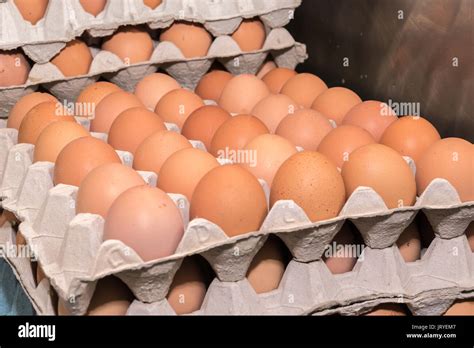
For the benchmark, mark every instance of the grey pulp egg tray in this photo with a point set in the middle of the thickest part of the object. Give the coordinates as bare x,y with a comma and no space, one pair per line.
70,249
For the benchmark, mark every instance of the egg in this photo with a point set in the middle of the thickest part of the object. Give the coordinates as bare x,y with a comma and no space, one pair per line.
461,307
387,309
147,220
339,143
311,181
155,150
340,260
74,59
232,198
270,151
276,78
373,116
32,12
92,95
274,108
268,266
181,172
242,93
111,297
409,243
250,35
210,86
152,3
151,88
203,123
38,118
335,103
54,138
81,156
110,107
94,7
133,126
25,104
176,106
304,88
131,44
470,235
234,134
384,170
451,159
305,128
102,185
410,136
191,38
189,287
14,68
265,68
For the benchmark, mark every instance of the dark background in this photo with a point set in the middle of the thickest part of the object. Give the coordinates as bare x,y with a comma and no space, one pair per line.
405,60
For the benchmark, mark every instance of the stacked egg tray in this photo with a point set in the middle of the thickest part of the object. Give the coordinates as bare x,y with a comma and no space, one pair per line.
73,256
279,45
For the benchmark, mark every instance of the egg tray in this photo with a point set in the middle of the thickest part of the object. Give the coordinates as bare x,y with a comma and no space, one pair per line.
66,20
72,254
279,44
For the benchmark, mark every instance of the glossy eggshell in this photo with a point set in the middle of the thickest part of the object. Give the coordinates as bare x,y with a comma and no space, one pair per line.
212,84
91,96
147,220
111,297
151,88
250,35
409,243
334,103
274,108
304,88
313,182
14,69
31,13
25,104
191,38
74,59
276,78
81,156
94,7
176,106
232,198
384,170
338,262
130,44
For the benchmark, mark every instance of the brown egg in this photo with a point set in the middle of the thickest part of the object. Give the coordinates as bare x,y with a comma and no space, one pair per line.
339,143
410,136
461,307
339,260
470,235
234,134
305,128
94,7
451,159
189,288
38,118
8,216
151,88
334,103
373,116
152,3
250,35
54,138
304,88
102,185
409,243
110,107
311,181
268,266
384,170
147,220
155,150
14,68
276,78
25,104
270,151
111,297
211,85
92,95
133,126
74,59
387,309
232,198
273,108
81,156
242,93
203,123
131,44
266,68
32,12
176,106
191,38
182,171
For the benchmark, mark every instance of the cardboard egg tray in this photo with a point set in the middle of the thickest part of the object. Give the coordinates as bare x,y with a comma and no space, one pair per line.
70,249
279,44
65,20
